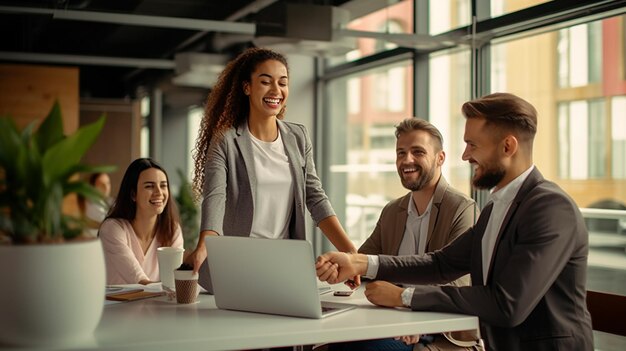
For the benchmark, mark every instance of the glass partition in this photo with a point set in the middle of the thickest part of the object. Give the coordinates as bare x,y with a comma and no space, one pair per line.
360,149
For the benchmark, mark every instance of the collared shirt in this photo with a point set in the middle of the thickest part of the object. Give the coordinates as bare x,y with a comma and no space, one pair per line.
504,197
502,200
415,230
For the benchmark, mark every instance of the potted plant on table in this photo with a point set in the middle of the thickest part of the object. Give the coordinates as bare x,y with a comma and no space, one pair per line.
53,283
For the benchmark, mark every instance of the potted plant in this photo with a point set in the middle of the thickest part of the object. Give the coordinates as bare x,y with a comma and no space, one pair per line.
53,283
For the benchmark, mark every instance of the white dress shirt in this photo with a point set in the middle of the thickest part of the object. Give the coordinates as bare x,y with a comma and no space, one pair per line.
502,200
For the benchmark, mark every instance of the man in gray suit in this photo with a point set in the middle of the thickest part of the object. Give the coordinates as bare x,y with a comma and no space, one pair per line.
527,254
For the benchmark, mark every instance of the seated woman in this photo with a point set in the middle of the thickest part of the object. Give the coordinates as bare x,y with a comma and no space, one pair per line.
143,218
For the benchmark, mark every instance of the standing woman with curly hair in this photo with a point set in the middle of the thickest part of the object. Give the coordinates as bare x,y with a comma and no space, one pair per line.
255,171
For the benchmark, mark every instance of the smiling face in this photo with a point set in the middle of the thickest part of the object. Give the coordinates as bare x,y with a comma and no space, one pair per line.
418,160
483,152
152,192
268,89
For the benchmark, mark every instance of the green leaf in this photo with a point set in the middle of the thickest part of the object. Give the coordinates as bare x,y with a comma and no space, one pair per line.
58,161
83,168
38,168
51,211
9,139
86,190
51,129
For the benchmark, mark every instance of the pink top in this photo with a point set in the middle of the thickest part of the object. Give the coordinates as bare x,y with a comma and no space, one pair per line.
124,258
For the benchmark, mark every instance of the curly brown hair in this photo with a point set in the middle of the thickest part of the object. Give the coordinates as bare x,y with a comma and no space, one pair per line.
227,106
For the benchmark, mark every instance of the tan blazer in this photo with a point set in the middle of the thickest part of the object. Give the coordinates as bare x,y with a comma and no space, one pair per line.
452,213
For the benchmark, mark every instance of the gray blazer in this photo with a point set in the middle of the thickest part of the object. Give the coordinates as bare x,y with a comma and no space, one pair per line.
534,298
230,182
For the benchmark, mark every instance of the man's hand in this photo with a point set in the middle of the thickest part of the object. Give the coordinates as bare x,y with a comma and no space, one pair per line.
384,294
336,267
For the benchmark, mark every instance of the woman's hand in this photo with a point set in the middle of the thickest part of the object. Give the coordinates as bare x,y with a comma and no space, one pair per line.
331,227
197,257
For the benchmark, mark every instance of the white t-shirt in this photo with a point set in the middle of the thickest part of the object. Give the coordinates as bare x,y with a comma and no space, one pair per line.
273,203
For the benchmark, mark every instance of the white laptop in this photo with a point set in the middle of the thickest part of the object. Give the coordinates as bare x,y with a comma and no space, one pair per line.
266,276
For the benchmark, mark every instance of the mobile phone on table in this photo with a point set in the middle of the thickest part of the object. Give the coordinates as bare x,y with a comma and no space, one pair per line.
342,293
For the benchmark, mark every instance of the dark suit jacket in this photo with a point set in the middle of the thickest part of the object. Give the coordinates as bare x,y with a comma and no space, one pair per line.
534,298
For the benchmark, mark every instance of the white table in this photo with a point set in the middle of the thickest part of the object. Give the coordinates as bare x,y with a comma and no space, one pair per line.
158,324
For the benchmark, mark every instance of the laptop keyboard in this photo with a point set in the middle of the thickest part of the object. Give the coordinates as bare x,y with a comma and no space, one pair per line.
328,309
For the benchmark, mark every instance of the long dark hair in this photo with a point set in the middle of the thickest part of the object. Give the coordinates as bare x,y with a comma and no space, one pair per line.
227,105
124,207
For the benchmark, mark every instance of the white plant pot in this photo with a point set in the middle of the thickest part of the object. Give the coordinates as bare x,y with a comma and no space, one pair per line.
51,294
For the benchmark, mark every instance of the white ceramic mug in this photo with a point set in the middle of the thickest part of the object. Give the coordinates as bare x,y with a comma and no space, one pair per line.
170,258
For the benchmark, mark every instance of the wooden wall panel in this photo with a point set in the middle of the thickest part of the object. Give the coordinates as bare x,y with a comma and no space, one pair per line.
118,143
27,93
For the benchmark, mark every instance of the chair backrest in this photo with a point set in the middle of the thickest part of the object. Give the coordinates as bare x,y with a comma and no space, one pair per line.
607,312
604,224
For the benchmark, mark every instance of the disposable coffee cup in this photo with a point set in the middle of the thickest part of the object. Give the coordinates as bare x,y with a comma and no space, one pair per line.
169,259
186,286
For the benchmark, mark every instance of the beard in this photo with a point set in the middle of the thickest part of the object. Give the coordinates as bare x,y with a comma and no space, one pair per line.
492,175
421,181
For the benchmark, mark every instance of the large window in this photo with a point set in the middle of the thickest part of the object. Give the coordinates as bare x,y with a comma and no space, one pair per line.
501,7
582,134
572,71
396,18
569,77
449,88
618,137
445,15
361,136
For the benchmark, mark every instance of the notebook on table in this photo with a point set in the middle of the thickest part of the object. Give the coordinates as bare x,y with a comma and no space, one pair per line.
266,276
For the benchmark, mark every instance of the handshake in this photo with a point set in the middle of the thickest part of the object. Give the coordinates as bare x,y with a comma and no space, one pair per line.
337,267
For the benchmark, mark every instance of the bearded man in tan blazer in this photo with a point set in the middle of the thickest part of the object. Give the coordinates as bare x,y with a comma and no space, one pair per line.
426,219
